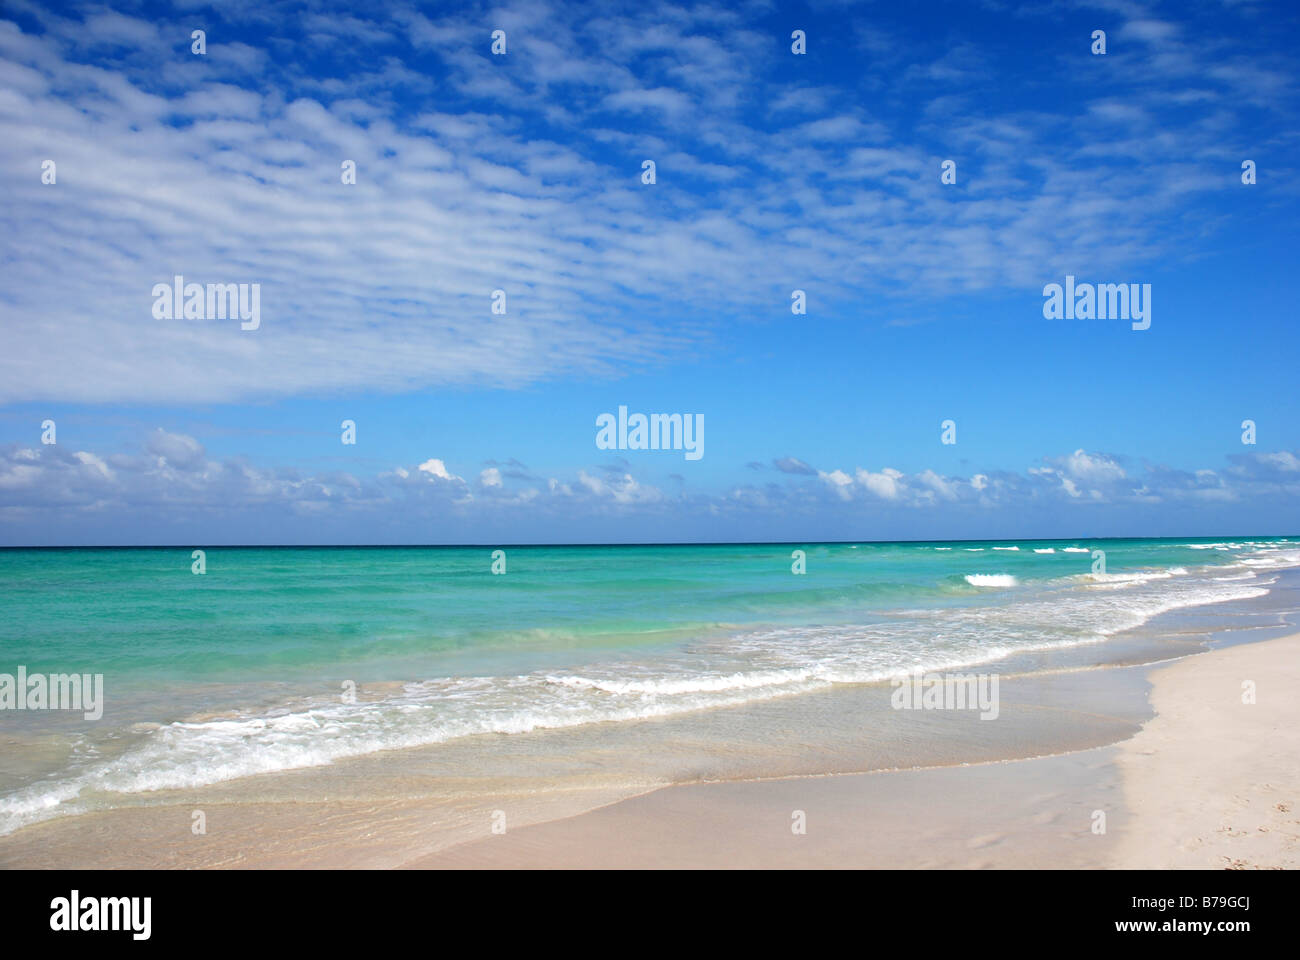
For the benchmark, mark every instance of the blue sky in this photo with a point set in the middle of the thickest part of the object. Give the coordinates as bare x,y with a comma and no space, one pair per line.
522,172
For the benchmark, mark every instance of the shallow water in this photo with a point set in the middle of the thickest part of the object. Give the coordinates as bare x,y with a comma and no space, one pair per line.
622,666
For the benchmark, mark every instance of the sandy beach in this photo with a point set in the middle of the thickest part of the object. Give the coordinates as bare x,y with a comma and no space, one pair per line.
1209,782
1213,781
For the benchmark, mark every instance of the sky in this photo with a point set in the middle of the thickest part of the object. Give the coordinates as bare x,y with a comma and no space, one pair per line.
524,172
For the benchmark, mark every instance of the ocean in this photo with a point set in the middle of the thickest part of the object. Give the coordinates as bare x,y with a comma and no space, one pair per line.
279,659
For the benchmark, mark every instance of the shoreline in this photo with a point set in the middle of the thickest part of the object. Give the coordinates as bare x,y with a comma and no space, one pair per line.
1017,793
1208,782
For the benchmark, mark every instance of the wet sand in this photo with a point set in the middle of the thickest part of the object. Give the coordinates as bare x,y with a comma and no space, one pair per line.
1209,782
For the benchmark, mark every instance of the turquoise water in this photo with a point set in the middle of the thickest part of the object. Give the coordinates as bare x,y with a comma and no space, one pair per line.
143,616
247,667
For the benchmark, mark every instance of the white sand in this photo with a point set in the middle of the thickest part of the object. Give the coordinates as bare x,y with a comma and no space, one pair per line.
1209,782
1213,781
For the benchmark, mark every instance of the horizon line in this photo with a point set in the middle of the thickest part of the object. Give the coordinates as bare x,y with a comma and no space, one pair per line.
649,543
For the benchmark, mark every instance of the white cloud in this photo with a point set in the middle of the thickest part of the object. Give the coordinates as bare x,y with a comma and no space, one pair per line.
225,169
1285,460
839,480
437,469
939,485
1093,468
175,449
622,489
48,485
883,484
